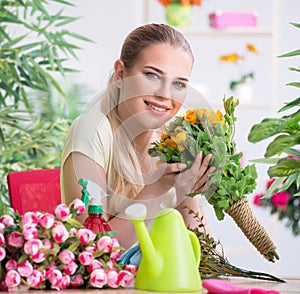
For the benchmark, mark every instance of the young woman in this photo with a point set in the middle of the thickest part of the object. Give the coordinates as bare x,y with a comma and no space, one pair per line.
108,143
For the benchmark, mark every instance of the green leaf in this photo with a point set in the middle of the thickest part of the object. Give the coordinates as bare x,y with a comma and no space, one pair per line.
290,54
268,127
280,143
294,84
284,167
65,2
75,223
297,25
295,102
274,186
269,160
294,69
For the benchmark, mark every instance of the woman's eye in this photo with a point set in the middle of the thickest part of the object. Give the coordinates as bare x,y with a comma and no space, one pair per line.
152,75
180,85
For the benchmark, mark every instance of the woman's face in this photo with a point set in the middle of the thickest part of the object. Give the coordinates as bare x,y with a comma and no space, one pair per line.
153,91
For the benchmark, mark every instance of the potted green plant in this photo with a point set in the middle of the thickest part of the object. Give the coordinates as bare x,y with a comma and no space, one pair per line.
282,153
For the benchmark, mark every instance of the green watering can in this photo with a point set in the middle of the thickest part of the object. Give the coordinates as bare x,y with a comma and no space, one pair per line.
170,253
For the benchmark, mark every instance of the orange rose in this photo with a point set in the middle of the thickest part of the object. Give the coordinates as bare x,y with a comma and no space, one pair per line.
190,116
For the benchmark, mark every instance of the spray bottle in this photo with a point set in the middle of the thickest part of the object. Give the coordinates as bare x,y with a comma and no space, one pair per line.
93,193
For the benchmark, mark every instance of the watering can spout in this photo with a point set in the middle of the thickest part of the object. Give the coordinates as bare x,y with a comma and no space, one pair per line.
136,213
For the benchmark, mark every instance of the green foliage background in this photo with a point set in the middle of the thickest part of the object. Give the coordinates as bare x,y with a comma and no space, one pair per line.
35,110
283,152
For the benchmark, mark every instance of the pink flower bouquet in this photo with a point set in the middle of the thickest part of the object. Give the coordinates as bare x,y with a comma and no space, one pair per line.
54,251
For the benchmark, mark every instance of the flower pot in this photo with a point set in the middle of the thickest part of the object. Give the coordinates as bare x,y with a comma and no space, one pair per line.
178,15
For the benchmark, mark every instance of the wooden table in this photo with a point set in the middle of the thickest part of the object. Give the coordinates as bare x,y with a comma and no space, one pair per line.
292,285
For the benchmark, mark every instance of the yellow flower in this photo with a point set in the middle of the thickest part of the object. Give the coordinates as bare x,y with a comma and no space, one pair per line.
208,114
220,116
179,137
252,48
164,135
190,116
170,143
160,146
233,58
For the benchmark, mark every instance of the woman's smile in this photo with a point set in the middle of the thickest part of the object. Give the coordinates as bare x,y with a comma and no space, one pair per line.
156,107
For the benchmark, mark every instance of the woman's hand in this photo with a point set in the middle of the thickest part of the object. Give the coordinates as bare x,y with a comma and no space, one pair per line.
196,178
164,177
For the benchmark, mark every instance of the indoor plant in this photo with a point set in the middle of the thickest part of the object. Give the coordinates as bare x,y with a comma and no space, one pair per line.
282,153
179,12
34,46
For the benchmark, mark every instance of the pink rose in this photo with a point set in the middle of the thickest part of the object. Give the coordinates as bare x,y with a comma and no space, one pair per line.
70,268
64,282
66,256
131,268
110,264
105,243
76,280
257,199
98,278
62,212
12,279
35,279
85,257
11,264
2,239
85,236
47,244
115,252
281,200
25,269
112,279
47,220
95,264
2,253
60,233
31,247
30,219
7,220
78,205
39,257
55,277
92,248
16,239
125,278
30,232
73,232
2,226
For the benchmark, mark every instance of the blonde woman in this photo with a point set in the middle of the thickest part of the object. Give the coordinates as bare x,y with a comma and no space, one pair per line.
108,143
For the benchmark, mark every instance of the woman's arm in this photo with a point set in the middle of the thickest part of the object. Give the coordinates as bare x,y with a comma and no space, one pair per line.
79,166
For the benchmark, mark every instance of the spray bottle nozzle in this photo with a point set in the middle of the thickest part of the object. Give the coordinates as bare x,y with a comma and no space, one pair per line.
94,193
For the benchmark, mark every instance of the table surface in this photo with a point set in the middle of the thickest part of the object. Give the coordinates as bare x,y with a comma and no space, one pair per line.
292,285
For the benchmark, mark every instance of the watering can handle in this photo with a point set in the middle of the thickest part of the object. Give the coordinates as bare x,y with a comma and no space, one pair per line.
196,246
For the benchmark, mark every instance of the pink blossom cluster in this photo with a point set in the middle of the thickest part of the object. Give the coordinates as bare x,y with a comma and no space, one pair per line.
44,250
278,199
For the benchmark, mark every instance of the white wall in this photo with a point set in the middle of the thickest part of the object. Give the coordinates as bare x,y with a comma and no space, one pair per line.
108,22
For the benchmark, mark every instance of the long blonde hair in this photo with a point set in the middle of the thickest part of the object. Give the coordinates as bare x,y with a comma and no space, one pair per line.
125,179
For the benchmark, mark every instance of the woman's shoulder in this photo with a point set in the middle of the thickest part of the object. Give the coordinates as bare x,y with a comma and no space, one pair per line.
92,121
